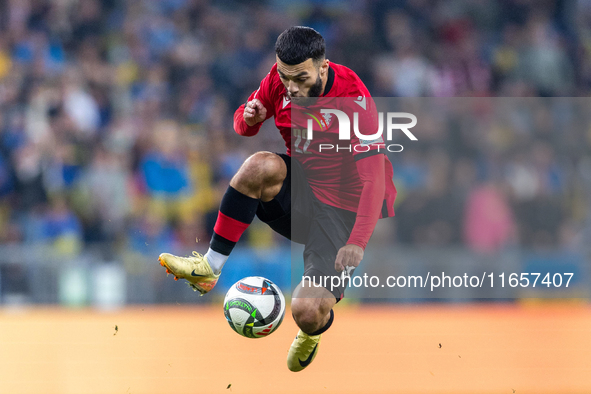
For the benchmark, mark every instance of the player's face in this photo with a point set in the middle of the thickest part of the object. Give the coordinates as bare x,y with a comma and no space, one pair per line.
304,79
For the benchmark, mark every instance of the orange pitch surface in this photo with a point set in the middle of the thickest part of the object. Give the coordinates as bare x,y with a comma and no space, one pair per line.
370,349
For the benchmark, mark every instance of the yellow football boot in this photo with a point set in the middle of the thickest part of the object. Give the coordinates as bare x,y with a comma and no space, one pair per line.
303,350
196,270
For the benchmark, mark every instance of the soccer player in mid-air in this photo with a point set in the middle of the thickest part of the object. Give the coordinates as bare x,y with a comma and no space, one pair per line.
336,206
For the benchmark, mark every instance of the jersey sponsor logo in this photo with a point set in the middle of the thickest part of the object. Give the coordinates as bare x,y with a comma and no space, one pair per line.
361,102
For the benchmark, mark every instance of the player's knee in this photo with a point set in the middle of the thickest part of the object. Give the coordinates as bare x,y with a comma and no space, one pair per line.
261,170
265,167
308,322
306,315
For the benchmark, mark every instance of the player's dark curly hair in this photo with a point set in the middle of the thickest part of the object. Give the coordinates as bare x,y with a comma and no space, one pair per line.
298,44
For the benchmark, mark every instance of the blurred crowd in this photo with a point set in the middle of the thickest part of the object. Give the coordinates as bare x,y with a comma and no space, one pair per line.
497,173
116,115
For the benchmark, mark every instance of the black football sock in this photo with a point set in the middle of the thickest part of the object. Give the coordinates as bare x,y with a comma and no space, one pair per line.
235,215
326,326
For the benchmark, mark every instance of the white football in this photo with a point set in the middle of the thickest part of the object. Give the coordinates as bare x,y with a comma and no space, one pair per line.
254,307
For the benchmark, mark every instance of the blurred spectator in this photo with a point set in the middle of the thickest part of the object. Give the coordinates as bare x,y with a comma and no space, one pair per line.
164,167
104,188
489,224
150,234
63,228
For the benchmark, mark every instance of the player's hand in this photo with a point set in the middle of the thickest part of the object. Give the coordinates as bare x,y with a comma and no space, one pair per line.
348,256
254,112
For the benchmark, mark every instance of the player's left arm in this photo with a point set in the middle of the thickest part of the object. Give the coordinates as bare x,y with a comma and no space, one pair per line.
372,172
371,167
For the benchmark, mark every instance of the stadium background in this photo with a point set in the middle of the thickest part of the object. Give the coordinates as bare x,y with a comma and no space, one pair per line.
116,144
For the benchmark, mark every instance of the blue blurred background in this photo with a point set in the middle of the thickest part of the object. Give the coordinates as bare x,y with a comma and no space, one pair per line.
116,138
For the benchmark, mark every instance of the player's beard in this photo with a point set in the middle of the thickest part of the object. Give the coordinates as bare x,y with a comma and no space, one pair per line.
311,98
316,89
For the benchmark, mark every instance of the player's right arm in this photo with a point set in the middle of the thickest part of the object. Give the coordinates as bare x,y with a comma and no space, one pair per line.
254,112
249,117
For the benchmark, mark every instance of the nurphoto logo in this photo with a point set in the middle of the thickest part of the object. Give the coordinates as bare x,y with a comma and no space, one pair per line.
366,140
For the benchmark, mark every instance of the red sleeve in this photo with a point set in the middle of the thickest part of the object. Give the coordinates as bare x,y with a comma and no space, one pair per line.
372,172
264,94
240,125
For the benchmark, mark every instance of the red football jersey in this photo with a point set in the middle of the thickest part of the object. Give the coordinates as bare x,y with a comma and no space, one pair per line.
331,173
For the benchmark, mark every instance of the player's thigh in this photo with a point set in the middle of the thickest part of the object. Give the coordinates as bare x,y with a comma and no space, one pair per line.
329,231
290,212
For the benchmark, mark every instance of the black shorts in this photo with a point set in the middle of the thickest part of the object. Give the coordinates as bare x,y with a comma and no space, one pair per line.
298,215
